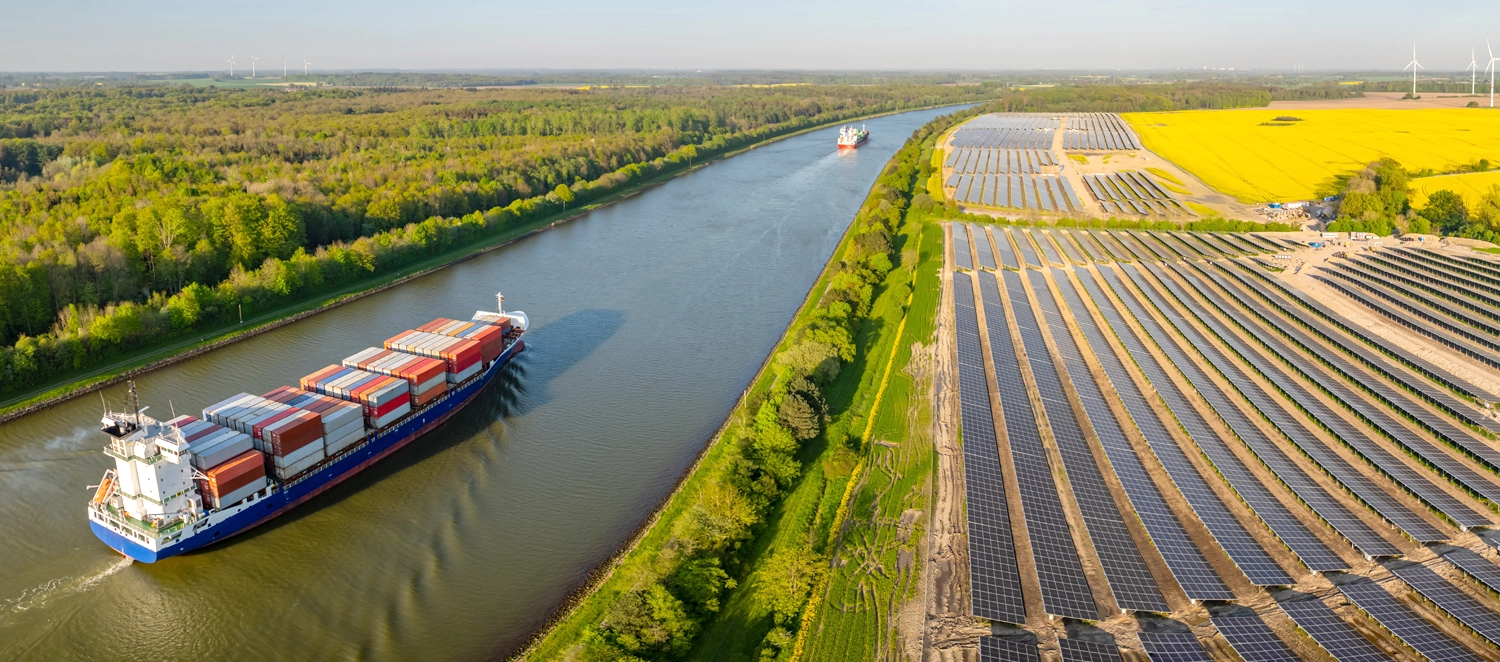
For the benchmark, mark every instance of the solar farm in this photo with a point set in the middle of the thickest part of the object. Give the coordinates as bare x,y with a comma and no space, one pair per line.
1065,164
1207,446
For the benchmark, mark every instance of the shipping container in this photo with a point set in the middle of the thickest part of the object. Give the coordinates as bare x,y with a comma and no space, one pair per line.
238,495
293,433
235,473
300,467
224,449
393,416
296,456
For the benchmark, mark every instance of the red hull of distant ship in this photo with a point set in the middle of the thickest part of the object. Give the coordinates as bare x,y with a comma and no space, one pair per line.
862,140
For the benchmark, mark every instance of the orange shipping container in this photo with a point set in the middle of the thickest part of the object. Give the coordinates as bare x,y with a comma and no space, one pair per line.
236,473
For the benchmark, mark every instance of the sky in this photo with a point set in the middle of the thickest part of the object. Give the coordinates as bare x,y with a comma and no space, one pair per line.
178,35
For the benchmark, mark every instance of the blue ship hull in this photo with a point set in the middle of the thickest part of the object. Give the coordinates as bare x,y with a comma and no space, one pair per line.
359,458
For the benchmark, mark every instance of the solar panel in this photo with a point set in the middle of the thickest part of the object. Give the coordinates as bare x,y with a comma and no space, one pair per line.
1187,564
1129,578
1028,254
1416,316
992,649
1404,623
1407,287
1002,243
1308,547
982,245
1173,647
1015,192
995,580
1335,635
1065,588
1073,200
1476,566
1046,247
961,252
1253,639
1067,247
1451,599
1078,650
1414,480
1002,191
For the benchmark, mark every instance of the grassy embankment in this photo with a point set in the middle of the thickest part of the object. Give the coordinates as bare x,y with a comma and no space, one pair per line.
805,517
164,353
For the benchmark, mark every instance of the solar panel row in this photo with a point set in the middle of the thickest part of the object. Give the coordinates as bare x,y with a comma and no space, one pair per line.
1476,566
1356,438
1442,302
994,578
1404,623
1038,192
995,649
1183,558
1001,138
982,246
1047,249
1451,599
1461,296
1065,588
1079,650
1129,578
1173,647
961,253
1476,286
996,161
1253,639
1297,430
1028,252
1335,635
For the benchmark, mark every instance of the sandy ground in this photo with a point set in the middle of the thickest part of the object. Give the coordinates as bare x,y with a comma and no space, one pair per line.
952,635
1389,101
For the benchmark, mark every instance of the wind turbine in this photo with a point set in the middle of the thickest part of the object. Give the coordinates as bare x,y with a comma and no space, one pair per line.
1413,65
253,59
1491,68
283,67
304,67
1473,69
231,66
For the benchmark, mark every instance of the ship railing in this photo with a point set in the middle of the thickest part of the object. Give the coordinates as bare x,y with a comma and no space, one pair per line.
113,516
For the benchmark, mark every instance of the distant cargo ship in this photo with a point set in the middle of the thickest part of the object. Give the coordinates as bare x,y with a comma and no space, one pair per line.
850,137
188,482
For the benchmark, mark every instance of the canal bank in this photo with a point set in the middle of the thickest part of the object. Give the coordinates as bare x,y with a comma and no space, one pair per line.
651,315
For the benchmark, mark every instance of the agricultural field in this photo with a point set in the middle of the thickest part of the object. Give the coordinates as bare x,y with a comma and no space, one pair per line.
1253,156
1472,186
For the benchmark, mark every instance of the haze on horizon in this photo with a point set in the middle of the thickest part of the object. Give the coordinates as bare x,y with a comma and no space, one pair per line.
177,35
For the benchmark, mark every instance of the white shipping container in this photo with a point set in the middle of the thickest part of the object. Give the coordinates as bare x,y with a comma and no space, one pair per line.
216,413
354,428
296,456
301,466
341,415
336,446
223,451
456,377
238,495
224,404
362,356
396,389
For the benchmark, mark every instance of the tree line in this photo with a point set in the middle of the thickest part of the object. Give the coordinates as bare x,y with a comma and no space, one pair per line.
1377,200
1172,96
161,212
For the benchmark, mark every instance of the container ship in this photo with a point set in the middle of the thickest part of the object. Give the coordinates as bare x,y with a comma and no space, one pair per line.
850,137
184,483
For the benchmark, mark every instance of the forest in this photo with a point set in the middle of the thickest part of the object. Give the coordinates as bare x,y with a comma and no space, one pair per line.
1162,97
129,215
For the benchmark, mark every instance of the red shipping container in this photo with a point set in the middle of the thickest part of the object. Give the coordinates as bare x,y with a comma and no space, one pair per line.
491,341
396,338
424,371
283,393
434,324
297,432
236,473
389,407
358,394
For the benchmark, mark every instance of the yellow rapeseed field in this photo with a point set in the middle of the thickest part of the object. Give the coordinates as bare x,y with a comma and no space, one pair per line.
1253,157
1471,186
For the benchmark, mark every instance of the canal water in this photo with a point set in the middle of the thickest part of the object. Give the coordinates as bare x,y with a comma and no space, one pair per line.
648,318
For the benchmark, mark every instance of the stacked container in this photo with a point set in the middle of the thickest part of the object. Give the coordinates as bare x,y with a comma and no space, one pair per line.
490,336
426,377
343,422
211,445
292,437
462,355
232,481
385,399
